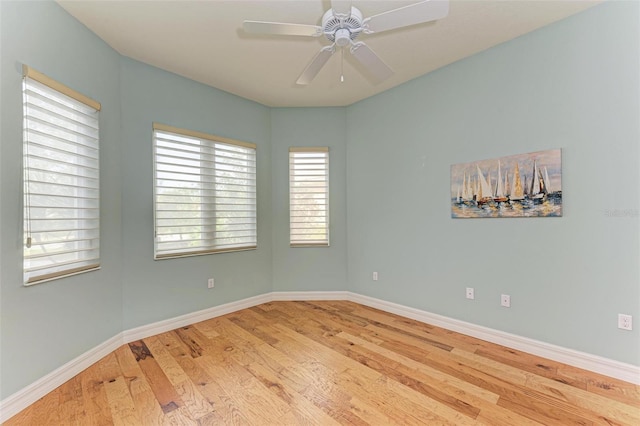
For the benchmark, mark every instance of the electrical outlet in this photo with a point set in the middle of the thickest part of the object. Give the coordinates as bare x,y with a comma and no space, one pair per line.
375,276
210,283
470,293
505,300
625,322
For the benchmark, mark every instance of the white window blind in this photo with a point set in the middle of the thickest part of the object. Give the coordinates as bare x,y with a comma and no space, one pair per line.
205,193
61,180
309,197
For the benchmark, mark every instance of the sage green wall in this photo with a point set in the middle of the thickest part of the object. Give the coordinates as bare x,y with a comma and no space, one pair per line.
572,85
317,268
157,290
46,325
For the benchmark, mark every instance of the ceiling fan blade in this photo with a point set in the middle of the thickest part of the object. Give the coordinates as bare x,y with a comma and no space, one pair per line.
316,65
417,13
341,8
371,61
279,28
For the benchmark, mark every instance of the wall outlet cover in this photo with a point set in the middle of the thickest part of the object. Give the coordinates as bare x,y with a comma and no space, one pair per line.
470,293
505,300
625,322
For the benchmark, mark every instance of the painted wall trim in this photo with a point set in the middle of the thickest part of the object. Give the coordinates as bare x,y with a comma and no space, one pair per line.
163,326
26,396
20,400
282,296
30,394
597,364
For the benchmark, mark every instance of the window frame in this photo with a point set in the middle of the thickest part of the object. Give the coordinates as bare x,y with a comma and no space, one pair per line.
84,148
209,143
301,243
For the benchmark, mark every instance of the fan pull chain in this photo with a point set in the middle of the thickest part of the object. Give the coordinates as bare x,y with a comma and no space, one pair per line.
342,65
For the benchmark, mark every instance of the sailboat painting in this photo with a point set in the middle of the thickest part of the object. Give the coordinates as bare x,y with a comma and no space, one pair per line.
523,185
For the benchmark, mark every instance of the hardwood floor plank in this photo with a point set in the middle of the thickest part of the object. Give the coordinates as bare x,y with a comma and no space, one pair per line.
432,407
300,319
513,396
187,338
312,379
247,391
600,408
123,408
611,411
303,410
473,395
383,326
393,370
447,337
195,403
453,384
617,390
325,363
179,417
42,412
372,389
70,408
225,409
94,396
473,360
358,363
181,355
160,385
143,397
253,329
206,329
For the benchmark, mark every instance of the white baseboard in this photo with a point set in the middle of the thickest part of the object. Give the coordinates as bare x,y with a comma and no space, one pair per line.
163,326
308,295
597,364
20,400
26,396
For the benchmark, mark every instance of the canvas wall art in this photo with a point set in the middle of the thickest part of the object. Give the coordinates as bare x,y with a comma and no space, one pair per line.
524,185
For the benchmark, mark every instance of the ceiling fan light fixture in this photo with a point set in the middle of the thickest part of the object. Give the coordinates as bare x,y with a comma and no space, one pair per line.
343,37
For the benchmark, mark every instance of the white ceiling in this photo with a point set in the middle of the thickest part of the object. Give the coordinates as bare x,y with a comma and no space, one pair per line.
204,41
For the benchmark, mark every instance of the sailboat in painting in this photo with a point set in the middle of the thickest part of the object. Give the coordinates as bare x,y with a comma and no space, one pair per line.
464,194
499,196
552,191
518,192
467,192
547,181
507,188
484,189
538,189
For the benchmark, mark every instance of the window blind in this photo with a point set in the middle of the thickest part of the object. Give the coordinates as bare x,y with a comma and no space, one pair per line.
309,197
205,193
61,180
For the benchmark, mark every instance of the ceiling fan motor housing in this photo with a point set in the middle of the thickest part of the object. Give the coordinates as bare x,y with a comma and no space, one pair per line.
342,32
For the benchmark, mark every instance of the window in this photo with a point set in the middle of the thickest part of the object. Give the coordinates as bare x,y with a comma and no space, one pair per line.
309,197
205,193
61,180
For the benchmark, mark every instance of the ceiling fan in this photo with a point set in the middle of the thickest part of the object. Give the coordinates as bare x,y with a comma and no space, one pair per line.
343,24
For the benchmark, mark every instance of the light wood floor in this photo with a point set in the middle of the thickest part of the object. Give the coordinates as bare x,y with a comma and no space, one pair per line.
325,363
